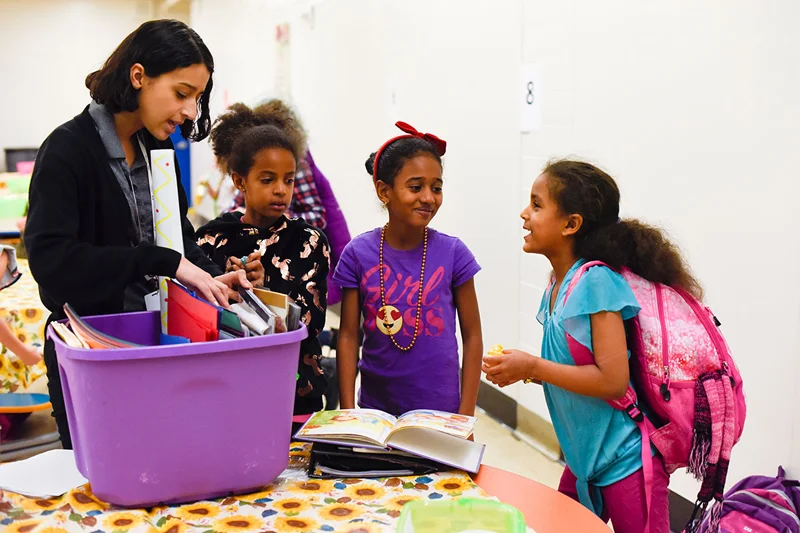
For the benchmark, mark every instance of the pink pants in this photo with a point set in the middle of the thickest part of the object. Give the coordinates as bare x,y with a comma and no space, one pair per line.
624,501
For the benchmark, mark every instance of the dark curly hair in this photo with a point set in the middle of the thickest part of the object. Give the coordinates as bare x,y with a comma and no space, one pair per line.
395,156
239,118
584,189
160,46
240,133
278,113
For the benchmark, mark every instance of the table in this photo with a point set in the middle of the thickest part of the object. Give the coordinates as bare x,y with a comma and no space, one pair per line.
292,503
295,503
546,510
25,314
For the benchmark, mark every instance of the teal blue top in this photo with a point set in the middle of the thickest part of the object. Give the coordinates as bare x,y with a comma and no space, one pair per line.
601,444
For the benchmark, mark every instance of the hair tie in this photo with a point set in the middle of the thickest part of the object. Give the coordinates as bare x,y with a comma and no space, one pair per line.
439,145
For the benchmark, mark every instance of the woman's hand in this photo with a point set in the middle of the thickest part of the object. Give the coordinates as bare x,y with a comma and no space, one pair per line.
509,367
253,267
216,290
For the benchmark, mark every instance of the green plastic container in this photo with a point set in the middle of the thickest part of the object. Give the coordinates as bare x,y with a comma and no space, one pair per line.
18,183
13,206
464,515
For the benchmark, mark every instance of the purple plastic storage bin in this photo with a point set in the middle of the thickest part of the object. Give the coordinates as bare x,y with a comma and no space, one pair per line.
178,423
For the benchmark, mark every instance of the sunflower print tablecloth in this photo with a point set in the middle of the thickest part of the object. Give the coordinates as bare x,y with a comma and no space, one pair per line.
25,314
293,503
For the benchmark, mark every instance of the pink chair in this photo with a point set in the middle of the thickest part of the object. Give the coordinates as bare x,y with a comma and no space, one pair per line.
25,167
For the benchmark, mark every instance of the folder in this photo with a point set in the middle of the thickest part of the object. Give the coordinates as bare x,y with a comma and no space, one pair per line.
189,316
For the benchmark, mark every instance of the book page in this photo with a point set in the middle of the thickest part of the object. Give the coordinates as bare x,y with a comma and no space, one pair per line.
450,423
441,447
67,336
367,424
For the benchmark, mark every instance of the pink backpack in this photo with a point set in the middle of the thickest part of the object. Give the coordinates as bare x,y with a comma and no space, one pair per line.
687,382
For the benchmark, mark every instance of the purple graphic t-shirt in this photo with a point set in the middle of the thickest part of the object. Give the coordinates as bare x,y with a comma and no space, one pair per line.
427,376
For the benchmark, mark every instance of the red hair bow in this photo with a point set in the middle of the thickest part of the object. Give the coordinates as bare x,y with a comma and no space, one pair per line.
439,144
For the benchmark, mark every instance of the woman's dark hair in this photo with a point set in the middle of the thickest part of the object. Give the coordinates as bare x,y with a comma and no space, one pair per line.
160,46
237,123
395,156
581,188
240,133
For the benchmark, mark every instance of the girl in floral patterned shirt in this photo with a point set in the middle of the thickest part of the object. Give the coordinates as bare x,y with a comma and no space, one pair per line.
285,255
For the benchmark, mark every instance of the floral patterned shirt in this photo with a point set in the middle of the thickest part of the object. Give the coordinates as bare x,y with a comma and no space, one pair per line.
296,259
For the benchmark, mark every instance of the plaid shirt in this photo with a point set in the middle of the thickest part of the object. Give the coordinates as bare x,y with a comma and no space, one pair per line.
306,202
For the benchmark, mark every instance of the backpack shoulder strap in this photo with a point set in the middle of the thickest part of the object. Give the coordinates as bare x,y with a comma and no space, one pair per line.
580,353
583,356
579,274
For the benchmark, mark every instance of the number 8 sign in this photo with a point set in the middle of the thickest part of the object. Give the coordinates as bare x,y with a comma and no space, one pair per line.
530,106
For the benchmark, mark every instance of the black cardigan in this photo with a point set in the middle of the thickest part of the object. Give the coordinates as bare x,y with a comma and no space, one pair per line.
80,236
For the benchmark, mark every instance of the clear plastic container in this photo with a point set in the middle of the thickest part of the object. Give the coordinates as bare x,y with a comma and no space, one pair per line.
464,515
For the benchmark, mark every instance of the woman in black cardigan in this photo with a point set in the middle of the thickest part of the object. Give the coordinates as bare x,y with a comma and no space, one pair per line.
89,233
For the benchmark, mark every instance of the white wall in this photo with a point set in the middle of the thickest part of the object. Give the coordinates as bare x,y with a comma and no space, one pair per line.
358,53
691,106
48,47
240,35
344,57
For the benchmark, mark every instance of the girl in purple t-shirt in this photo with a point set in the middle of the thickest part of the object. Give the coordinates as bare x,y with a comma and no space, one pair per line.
408,281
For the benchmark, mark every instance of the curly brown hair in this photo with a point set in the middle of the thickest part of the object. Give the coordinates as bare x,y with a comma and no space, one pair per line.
582,188
239,119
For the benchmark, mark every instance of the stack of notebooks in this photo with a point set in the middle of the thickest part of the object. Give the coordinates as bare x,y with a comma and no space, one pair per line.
260,309
78,334
193,319
368,443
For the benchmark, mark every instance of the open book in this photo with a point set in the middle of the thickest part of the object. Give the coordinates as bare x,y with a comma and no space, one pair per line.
434,435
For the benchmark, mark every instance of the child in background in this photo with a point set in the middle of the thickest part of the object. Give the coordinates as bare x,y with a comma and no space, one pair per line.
285,255
573,217
313,199
409,281
314,202
8,276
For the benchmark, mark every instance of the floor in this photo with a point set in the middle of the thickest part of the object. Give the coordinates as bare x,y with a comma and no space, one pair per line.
504,450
